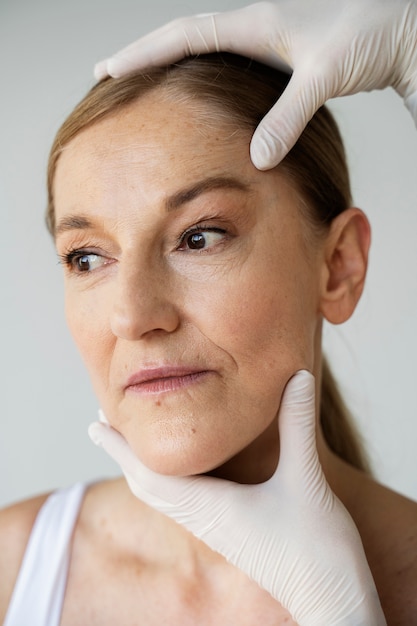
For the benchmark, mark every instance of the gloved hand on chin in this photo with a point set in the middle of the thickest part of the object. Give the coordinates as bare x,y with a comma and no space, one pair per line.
290,534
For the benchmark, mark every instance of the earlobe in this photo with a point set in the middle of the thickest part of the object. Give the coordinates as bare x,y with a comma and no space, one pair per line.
344,265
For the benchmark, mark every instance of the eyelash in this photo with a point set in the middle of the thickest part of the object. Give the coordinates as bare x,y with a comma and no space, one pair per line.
69,258
199,228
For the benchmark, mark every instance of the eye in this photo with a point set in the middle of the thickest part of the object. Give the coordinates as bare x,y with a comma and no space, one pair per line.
82,261
201,239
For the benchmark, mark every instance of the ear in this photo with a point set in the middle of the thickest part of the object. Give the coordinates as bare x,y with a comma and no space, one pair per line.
345,264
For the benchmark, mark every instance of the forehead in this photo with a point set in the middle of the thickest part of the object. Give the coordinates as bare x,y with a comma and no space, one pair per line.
123,171
153,141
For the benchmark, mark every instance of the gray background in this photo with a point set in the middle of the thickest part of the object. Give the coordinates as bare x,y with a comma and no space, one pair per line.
47,51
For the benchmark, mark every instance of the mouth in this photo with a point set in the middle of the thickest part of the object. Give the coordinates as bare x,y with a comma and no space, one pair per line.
164,380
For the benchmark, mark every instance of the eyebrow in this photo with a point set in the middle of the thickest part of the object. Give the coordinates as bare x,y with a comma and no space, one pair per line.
72,222
173,202
203,186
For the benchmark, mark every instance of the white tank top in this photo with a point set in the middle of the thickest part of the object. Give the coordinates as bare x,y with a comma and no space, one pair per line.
39,592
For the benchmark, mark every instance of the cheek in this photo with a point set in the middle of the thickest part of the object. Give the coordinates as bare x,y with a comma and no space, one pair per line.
258,320
265,319
90,331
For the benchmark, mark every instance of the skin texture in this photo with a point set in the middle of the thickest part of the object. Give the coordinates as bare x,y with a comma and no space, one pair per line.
246,309
249,310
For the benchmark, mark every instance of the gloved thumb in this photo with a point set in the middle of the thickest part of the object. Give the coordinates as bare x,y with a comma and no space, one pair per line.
282,126
297,416
299,465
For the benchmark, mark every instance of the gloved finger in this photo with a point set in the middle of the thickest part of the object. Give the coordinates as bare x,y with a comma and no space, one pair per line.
282,126
231,31
190,501
168,44
153,486
102,418
100,70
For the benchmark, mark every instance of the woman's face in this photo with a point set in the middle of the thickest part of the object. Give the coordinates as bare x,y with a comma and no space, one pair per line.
192,283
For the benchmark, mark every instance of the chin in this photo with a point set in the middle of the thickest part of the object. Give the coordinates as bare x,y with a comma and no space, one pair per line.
176,467
178,460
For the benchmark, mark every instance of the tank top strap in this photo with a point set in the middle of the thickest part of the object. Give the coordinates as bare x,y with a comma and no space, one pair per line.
39,592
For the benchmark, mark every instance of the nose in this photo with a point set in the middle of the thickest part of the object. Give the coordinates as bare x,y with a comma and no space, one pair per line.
143,303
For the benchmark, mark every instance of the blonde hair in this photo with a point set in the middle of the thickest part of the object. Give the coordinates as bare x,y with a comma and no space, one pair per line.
242,91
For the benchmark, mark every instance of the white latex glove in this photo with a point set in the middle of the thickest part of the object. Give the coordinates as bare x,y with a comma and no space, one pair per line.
334,47
290,534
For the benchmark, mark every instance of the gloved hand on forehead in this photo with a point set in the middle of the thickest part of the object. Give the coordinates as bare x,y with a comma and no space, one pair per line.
290,534
333,47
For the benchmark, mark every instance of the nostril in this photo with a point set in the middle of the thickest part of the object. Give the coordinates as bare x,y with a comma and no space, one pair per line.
134,320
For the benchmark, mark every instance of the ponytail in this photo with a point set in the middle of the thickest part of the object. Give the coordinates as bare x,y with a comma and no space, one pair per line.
337,424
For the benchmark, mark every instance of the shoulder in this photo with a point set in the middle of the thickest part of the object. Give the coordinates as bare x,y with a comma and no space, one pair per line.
394,553
400,553
16,522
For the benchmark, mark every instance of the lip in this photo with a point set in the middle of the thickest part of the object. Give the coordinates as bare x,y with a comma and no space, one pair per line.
164,379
